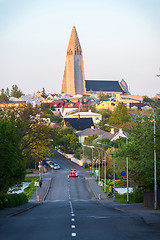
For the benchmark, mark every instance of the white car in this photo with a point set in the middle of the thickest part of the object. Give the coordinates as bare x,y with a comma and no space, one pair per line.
56,166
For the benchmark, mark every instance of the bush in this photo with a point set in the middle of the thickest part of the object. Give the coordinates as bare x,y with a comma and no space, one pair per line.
12,200
135,197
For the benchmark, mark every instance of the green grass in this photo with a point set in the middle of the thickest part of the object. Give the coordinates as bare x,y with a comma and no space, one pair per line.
31,188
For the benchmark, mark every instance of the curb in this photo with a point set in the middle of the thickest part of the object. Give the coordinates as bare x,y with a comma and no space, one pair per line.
48,188
25,209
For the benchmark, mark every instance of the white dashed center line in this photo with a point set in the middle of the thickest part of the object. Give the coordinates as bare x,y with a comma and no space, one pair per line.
72,212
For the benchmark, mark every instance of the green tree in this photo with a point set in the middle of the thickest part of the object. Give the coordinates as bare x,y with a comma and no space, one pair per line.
141,152
120,115
3,96
102,96
68,140
15,92
12,168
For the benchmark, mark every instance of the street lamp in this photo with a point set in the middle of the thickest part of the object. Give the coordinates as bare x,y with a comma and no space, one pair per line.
126,165
155,164
104,167
92,154
92,147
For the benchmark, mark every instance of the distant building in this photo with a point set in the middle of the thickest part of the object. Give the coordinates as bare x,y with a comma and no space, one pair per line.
73,78
112,135
29,99
79,124
111,88
131,99
5,106
95,116
82,135
107,104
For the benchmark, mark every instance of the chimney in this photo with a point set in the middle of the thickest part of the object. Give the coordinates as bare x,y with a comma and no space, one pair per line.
112,131
120,131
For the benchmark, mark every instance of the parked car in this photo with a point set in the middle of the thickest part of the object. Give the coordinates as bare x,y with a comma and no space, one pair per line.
56,166
73,173
51,165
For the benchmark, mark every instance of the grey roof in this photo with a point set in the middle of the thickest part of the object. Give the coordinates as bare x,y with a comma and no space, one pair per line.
103,85
90,131
106,135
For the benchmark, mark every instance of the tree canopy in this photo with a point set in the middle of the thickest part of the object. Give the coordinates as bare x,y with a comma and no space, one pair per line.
120,115
140,151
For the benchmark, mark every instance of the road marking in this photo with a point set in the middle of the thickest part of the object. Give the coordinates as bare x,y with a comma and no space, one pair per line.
72,219
73,226
73,234
73,214
71,206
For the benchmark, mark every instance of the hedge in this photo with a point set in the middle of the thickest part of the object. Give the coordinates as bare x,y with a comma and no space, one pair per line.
12,200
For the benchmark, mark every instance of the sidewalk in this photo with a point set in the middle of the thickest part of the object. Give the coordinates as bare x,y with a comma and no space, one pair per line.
97,192
149,216
42,192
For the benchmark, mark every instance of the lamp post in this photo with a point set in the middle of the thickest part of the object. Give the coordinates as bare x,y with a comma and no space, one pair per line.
92,154
126,166
104,167
155,164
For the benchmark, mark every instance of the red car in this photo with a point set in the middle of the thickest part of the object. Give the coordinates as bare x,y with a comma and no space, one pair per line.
73,173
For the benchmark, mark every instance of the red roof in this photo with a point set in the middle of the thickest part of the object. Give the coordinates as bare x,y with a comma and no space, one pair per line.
71,105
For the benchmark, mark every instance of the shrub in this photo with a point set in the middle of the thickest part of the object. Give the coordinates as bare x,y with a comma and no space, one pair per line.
12,200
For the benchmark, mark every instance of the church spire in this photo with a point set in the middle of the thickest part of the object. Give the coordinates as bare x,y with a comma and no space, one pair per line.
74,47
73,77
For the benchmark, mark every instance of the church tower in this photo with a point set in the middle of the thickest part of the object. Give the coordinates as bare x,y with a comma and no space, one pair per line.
73,77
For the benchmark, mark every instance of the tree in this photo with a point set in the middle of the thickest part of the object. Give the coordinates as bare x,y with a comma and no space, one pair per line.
3,96
15,92
120,115
68,140
12,170
102,96
44,93
140,151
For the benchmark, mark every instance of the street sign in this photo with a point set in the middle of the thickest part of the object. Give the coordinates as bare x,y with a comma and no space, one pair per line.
123,173
100,183
36,184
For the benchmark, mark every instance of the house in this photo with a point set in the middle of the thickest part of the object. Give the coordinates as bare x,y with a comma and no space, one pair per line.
70,107
157,96
107,104
134,99
29,99
82,135
78,124
52,97
95,116
12,104
112,135
138,105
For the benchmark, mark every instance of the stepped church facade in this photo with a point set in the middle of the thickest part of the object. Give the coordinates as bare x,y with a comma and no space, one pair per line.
74,79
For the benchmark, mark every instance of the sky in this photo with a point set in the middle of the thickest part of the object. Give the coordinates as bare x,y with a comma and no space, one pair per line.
120,39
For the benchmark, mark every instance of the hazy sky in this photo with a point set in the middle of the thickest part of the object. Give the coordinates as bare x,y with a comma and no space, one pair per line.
119,39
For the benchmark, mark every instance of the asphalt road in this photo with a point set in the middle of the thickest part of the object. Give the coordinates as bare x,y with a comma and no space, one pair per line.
70,212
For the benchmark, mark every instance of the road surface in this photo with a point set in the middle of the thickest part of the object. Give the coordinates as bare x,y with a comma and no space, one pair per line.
71,212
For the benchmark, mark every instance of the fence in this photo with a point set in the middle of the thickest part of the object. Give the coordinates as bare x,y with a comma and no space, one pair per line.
148,199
